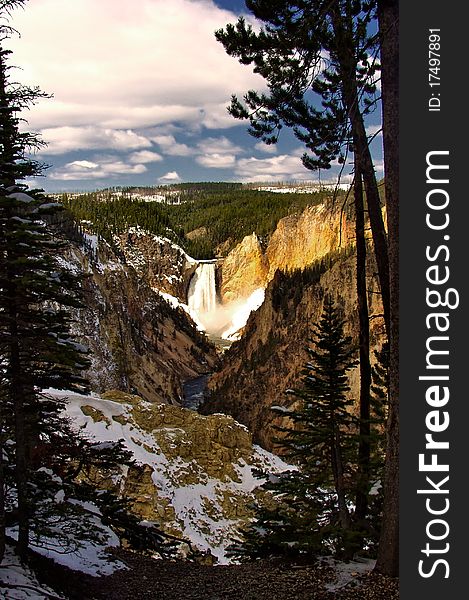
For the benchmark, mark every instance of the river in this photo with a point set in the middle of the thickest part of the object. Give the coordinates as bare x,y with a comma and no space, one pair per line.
193,392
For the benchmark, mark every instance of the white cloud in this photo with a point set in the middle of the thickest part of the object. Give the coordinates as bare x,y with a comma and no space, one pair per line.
276,168
219,145
83,164
217,153
374,130
145,156
171,177
119,167
67,139
101,169
216,116
216,160
113,64
169,146
267,148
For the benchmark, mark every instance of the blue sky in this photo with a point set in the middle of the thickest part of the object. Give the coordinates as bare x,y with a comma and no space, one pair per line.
140,94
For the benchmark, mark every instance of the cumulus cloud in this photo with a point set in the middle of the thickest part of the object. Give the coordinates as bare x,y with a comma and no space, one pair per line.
79,170
83,164
267,148
216,160
216,116
276,168
170,146
67,139
115,65
219,145
145,156
217,153
171,177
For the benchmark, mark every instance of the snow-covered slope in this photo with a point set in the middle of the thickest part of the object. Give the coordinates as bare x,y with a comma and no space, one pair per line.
193,473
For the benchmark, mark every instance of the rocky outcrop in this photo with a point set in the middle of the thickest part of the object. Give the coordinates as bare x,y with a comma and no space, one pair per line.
244,270
193,475
159,262
298,241
269,358
138,342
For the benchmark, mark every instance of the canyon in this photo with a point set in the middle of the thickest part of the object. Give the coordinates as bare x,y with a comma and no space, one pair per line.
225,337
165,318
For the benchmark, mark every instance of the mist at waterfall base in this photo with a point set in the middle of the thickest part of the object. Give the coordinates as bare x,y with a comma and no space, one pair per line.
218,320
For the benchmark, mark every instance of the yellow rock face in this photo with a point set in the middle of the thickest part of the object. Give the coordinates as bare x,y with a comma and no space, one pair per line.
298,241
244,270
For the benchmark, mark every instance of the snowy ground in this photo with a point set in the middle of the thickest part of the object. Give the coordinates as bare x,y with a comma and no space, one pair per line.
198,507
347,572
19,583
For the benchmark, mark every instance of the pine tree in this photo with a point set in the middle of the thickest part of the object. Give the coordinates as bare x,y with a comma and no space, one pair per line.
37,350
311,510
319,64
323,439
287,519
44,489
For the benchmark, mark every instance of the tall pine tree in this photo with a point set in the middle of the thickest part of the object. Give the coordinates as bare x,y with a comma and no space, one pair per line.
311,511
319,63
44,491
36,294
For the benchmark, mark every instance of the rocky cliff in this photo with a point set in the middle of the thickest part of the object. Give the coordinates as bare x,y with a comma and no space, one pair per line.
160,263
269,358
193,475
138,341
298,241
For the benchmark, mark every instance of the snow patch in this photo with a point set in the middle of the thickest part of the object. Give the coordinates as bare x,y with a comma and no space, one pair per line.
198,508
347,572
18,582
21,197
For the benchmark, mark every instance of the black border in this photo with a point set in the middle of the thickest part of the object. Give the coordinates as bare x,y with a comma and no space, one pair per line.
422,131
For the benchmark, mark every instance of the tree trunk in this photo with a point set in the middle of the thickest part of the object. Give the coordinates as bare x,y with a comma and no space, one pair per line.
344,49
388,19
361,502
2,504
17,397
338,474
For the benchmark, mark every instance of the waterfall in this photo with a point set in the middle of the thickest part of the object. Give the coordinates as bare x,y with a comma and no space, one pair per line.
219,321
202,295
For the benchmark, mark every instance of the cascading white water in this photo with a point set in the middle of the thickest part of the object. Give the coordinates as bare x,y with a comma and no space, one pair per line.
202,295
219,321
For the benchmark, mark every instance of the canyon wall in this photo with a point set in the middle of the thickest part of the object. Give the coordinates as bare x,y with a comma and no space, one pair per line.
269,358
159,262
298,241
138,341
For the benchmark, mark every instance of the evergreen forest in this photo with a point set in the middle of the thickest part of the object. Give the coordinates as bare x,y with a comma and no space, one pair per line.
219,215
